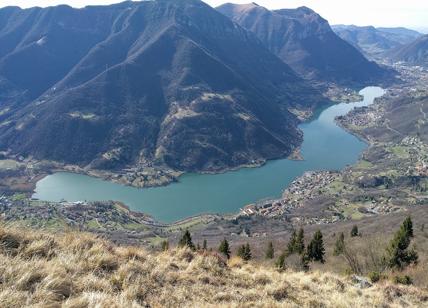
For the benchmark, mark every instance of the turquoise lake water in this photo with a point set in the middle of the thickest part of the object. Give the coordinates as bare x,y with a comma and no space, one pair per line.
325,147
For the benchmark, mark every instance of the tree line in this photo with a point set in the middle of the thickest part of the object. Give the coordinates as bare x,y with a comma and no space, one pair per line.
398,254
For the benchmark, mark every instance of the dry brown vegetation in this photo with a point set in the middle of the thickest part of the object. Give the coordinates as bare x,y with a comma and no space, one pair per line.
74,269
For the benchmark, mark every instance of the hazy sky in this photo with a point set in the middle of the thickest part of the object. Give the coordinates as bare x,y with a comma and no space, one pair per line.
409,13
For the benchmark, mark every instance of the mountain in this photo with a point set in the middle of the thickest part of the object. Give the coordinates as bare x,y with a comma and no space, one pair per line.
305,41
415,53
167,82
374,42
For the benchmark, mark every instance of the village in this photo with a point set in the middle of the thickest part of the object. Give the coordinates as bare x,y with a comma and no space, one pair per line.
98,217
304,188
140,177
364,188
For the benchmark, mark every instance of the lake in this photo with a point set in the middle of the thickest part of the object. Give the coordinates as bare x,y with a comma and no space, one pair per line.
325,147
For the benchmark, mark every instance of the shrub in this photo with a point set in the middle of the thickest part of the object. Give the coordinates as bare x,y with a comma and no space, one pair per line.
374,276
235,262
354,231
405,279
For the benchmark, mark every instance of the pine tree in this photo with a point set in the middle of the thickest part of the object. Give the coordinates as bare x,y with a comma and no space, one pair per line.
300,242
186,241
315,249
224,248
354,231
248,255
244,252
296,244
408,226
204,245
340,245
304,261
165,245
292,243
280,262
270,251
398,253
241,251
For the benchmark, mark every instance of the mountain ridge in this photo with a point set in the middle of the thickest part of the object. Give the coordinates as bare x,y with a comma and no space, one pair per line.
375,42
305,41
156,82
415,53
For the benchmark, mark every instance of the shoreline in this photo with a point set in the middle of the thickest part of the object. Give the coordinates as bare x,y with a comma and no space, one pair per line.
112,177
174,176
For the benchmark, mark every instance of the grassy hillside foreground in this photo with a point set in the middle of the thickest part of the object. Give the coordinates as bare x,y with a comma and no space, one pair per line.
40,269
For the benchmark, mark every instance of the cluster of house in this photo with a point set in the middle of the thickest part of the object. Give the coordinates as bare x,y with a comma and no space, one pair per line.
303,188
266,208
19,210
362,117
420,154
78,213
145,177
4,203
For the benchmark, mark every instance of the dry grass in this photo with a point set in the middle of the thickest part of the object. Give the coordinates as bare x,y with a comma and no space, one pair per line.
79,270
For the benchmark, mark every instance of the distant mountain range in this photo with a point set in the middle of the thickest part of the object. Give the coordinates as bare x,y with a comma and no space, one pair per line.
415,53
168,82
376,42
305,41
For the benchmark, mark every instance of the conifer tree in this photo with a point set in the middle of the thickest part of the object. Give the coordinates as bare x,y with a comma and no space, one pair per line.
186,241
398,253
408,226
304,261
296,243
248,255
165,245
270,251
280,262
244,252
292,243
300,242
315,249
340,245
204,245
241,251
224,248
354,231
